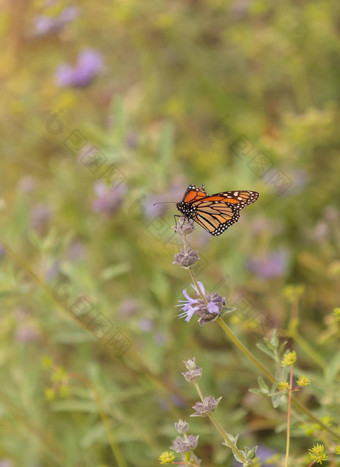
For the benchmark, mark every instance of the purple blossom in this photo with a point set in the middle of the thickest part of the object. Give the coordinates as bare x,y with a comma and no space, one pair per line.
40,216
207,310
188,306
146,324
76,251
26,184
44,24
89,65
26,333
108,202
129,307
2,251
268,265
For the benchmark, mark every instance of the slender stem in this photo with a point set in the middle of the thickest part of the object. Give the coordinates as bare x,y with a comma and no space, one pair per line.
243,349
114,446
199,391
312,463
221,430
288,414
192,275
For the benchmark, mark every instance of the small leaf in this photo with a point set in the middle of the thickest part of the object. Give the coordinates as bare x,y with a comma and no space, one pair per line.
265,349
255,391
274,340
35,240
263,386
115,271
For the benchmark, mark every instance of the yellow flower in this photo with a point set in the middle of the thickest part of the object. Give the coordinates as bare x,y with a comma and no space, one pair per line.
303,381
59,374
166,457
282,385
64,391
336,313
317,453
293,292
289,359
338,449
49,394
47,362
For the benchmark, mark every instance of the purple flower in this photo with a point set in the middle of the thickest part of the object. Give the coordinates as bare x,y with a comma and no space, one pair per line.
89,65
146,324
207,310
107,201
40,216
2,251
26,184
44,24
26,333
76,251
129,307
268,265
189,306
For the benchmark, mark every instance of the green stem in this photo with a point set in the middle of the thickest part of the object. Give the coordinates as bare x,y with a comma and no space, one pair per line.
114,446
288,414
243,349
221,430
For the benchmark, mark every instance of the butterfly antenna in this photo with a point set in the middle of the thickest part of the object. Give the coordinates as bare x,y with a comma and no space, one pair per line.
165,202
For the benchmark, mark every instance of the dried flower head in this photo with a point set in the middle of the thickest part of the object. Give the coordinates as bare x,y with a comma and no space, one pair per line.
185,443
202,409
185,260
193,375
181,426
190,364
184,226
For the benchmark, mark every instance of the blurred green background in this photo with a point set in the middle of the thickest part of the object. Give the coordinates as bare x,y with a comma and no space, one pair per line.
106,109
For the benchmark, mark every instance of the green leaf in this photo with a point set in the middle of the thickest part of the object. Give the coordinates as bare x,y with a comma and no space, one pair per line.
115,271
265,349
263,386
35,240
333,368
74,405
255,391
96,434
274,340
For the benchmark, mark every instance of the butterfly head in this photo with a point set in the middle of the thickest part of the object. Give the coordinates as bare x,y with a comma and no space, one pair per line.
186,208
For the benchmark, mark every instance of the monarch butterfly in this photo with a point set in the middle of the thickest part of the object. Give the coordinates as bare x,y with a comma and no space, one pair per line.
215,213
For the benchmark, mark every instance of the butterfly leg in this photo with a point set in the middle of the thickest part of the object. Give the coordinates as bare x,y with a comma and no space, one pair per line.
175,218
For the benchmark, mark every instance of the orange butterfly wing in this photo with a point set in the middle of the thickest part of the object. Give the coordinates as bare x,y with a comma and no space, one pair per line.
215,213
